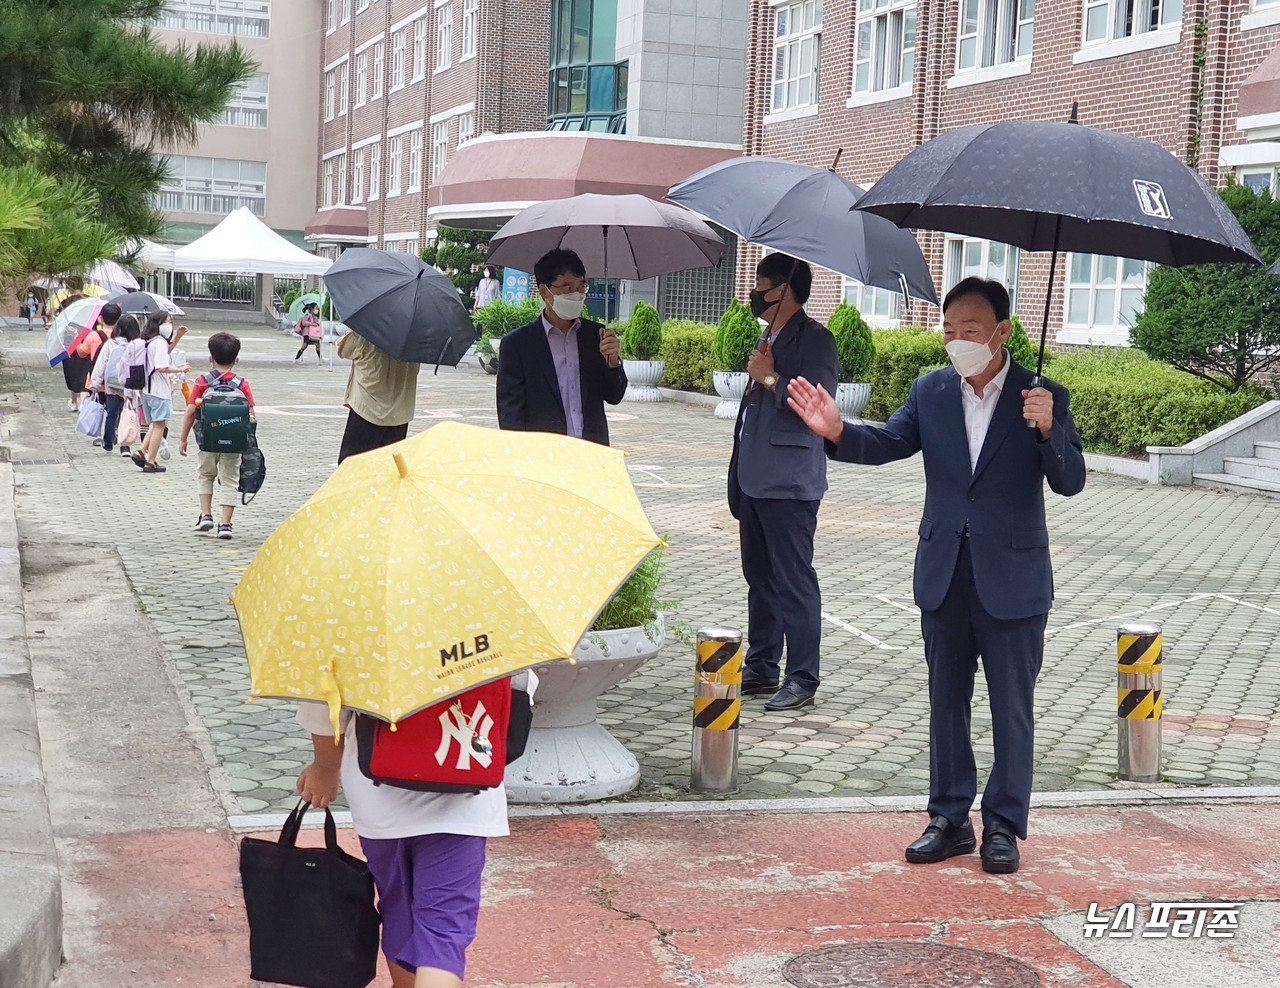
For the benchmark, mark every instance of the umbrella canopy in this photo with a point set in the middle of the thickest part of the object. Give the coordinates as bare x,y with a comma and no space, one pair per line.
301,302
62,294
147,302
401,305
113,277
805,212
69,326
630,237
1061,186
441,562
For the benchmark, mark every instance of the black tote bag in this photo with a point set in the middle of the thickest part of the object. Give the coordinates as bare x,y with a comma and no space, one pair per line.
312,921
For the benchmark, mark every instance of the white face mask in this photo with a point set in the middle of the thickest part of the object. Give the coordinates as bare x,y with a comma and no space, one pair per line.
568,307
167,331
970,358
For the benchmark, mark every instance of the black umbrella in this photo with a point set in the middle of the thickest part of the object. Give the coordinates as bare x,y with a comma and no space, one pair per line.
401,305
1061,187
806,212
147,302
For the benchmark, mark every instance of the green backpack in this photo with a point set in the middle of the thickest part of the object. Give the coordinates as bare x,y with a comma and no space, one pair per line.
222,419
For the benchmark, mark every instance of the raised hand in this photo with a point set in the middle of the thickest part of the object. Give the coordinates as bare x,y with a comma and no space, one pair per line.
816,408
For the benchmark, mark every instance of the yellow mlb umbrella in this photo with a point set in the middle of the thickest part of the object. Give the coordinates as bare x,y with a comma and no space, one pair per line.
90,290
433,565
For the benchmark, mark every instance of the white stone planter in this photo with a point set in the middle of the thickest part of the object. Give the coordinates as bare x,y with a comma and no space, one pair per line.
571,758
851,399
730,386
642,379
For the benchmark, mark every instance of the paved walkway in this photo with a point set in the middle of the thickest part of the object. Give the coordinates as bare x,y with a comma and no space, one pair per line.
1201,562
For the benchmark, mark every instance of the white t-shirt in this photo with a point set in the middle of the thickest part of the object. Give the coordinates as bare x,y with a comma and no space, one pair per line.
158,385
385,812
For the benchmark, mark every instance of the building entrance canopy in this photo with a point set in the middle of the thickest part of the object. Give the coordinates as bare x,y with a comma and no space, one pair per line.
493,177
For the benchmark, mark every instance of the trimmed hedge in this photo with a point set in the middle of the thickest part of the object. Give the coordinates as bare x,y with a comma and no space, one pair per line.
736,337
642,337
1124,402
688,350
901,355
854,344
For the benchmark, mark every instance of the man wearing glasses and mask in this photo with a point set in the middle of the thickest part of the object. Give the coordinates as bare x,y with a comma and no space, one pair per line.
555,374
777,476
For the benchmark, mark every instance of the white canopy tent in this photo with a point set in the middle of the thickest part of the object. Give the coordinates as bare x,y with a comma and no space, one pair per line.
155,256
243,244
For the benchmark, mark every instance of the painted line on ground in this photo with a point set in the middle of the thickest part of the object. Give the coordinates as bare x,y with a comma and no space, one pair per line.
869,639
1245,603
1138,613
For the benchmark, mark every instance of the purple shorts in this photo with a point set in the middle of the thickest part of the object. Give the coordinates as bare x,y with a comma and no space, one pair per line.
429,895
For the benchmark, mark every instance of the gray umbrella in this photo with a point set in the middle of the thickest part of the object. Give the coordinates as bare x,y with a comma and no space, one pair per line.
630,237
805,212
401,305
1061,186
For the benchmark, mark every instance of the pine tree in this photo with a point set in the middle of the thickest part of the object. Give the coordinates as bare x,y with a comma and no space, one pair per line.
460,255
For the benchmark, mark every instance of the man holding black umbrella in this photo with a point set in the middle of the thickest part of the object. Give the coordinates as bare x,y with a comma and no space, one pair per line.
983,580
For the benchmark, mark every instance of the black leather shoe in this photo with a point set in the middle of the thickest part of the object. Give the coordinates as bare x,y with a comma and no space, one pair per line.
792,696
751,686
999,852
940,841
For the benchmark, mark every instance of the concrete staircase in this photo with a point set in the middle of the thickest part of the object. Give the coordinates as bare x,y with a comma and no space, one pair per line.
1257,474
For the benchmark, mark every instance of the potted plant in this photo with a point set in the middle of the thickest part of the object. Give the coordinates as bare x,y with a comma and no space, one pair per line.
856,351
736,337
570,757
641,342
497,319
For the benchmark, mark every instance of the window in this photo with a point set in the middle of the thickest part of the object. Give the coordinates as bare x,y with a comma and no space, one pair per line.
444,37
411,247
395,161
378,52
994,32
397,60
346,11
212,185
466,127
362,77
344,92
342,178
419,49
439,148
362,6
375,171
415,161
878,306
796,38
469,23
248,105
357,175
1260,180
586,85
1104,292
1111,20
970,258
331,15
330,88
885,56
238,18
326,193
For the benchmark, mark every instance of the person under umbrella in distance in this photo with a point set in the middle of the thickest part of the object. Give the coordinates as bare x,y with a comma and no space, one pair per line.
556,374
983,580
777,476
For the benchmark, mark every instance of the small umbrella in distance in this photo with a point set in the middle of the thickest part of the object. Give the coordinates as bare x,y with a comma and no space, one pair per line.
147,302
1061,187
301,302
402,305
69,327
805,212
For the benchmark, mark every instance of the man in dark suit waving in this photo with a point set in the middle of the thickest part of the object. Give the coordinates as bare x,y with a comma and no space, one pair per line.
777,476
555,375
983,580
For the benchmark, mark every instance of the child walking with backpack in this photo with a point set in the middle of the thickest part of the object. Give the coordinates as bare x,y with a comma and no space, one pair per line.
110,368
221,412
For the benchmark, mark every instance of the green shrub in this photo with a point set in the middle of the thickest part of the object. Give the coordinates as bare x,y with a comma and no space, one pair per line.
1123,401
901,355
688,353
854,345
1021,347
642,338
736,337
289,298
636,603
500,317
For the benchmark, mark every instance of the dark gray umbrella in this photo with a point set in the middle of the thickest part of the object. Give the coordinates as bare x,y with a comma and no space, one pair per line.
805,212
147,302
401,305
1061,186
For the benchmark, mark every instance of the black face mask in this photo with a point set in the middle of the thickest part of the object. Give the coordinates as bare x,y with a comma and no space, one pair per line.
760,305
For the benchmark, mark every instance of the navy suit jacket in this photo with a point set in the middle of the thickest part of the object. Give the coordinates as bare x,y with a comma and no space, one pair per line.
529,391
1001,500
775,455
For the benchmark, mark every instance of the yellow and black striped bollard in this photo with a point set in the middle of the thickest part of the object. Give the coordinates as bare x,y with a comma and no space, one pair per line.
1139,700
717,704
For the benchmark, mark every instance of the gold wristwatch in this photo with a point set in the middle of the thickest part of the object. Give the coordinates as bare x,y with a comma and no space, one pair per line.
771,381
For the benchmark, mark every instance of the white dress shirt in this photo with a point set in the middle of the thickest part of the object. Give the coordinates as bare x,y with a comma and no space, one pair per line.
978,411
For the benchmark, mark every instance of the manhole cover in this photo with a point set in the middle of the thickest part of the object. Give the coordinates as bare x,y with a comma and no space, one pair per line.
46,462
885,965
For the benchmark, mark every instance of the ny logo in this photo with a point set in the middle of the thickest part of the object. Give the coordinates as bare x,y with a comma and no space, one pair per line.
1151,199
471,733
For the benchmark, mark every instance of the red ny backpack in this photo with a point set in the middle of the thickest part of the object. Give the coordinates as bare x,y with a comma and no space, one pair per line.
463,744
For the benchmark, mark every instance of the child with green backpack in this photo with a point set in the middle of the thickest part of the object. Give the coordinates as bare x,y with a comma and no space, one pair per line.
221,411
